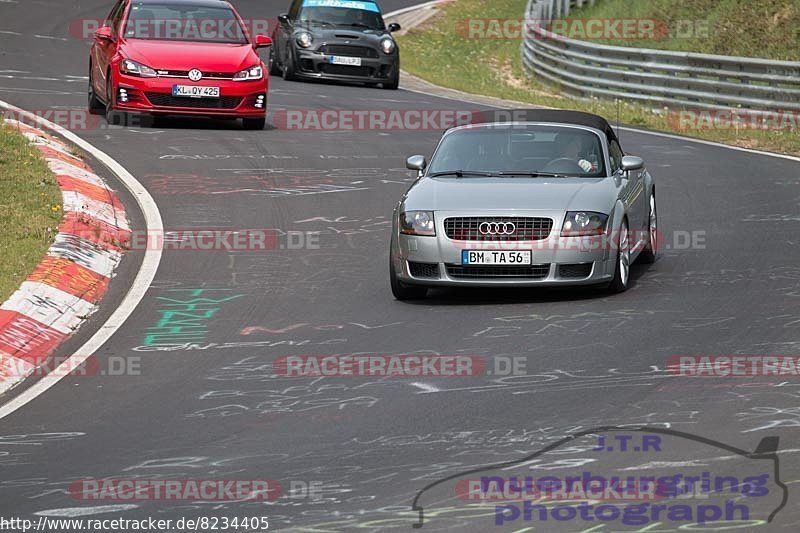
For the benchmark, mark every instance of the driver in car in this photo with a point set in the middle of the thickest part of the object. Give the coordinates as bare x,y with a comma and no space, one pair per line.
569,147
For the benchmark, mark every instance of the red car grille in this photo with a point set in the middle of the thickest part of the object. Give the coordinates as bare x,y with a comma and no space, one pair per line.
185,74
167,100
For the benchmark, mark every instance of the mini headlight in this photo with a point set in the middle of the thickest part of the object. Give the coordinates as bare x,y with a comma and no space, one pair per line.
387,45
304,39
418,223
133,68
252,73
580,223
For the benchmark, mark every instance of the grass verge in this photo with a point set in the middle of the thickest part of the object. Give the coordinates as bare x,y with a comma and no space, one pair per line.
765,28
30,209
438,52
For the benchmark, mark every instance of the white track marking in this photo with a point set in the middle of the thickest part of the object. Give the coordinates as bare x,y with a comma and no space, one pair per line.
71,512
145,276
425,387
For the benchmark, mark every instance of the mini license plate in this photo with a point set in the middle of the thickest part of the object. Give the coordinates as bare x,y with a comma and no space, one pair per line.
341,60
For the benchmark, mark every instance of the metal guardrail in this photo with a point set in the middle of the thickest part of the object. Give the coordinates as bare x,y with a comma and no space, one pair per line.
654,77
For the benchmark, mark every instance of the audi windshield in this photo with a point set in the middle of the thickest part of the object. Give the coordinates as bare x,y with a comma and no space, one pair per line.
519,151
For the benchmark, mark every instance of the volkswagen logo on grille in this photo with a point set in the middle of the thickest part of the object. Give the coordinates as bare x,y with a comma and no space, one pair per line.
497,228
195,75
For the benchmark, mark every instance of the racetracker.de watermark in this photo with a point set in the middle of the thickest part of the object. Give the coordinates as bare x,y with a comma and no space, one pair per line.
552,488
586,29
140,489
400,366
70,366
371,119
734,366
175,28
208,240
732,119
675,240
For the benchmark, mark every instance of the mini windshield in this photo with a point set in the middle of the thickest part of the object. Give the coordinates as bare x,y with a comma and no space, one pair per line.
183,22
520,150
342,13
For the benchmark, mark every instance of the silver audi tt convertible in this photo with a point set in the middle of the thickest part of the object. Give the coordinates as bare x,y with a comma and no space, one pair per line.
524,198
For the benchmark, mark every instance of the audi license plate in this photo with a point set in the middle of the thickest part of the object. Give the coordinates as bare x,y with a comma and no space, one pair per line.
195,91
341,60
497,257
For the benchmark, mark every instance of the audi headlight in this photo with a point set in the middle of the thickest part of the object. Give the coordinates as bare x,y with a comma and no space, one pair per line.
133,68
387,45
417,223
252,73
304,39
581,223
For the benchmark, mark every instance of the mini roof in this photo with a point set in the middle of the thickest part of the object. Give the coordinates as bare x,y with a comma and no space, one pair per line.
545,115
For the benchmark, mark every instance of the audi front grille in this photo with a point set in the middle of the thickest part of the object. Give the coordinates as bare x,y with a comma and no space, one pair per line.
498,228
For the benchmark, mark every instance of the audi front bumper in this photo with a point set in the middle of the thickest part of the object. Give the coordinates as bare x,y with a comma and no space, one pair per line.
556,261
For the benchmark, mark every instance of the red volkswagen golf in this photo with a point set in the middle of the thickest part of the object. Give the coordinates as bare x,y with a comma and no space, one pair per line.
178,57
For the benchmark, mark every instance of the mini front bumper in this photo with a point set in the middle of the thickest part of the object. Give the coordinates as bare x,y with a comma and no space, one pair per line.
557,261
312,64
154,96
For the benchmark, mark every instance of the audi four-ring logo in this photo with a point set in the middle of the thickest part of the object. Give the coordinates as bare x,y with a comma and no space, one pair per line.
195,75
497,228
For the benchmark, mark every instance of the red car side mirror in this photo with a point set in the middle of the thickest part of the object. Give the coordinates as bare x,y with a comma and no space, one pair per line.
263,41
104,34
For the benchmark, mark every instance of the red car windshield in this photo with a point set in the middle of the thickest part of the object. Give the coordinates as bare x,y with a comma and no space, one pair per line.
183,22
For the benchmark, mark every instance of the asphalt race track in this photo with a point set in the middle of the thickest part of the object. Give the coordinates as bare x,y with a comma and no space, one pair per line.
219,412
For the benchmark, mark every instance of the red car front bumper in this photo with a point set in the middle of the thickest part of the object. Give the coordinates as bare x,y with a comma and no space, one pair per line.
154,96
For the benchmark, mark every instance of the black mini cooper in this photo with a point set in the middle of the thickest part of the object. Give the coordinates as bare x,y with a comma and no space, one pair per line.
345,40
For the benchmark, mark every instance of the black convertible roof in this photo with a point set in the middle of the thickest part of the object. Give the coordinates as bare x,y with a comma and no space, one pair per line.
545,115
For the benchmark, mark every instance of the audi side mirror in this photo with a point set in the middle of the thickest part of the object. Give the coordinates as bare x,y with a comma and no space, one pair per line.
416,162
631,162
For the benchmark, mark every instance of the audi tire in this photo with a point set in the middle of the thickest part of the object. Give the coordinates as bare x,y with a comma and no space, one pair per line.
622,268
650,252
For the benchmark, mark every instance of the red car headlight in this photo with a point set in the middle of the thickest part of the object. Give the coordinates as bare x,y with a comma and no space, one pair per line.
133,68
249,74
